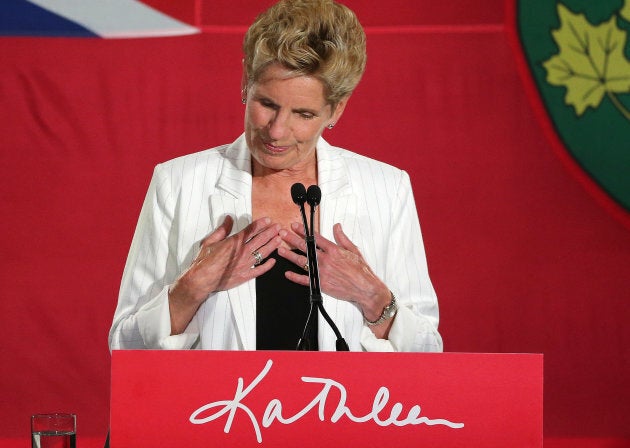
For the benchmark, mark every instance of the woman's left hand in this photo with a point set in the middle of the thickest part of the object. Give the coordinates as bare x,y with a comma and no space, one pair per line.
343,272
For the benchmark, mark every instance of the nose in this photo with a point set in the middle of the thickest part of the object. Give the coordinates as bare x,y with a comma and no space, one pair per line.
279,125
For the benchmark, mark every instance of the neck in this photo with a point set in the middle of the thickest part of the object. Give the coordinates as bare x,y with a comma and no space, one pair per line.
303,173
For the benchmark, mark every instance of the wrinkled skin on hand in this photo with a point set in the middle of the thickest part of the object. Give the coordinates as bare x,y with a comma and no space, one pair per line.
223,262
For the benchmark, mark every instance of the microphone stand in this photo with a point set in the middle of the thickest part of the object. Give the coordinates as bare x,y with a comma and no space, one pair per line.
298,194
313,196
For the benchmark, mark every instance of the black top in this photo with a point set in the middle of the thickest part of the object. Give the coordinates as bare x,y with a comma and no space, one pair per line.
282,309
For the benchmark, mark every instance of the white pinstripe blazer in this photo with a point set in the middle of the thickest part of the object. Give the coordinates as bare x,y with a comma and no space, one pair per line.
189,196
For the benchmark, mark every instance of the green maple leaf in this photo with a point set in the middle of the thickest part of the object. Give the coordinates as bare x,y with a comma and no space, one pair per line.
591,62
625,11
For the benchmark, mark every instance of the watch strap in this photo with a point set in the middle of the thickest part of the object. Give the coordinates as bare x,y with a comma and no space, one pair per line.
388,312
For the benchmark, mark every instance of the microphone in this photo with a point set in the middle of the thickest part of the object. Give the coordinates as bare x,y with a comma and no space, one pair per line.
298,193
313,196
299,196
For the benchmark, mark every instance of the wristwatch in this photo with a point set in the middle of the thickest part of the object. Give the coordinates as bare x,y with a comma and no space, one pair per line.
388,312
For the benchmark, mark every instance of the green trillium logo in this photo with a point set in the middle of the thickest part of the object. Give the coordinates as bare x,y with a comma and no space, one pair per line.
578,53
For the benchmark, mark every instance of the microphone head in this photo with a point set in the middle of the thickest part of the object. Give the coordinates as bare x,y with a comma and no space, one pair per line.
313,195
298,193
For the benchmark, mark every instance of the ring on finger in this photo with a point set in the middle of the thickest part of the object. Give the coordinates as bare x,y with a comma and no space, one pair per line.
258,257
305,267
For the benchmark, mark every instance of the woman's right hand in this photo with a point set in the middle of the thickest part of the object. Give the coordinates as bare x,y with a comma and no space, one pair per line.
223,262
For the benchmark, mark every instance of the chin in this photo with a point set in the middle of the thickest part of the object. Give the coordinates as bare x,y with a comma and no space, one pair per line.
271,161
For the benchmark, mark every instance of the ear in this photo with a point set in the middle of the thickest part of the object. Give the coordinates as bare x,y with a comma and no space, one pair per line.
338,112
244,82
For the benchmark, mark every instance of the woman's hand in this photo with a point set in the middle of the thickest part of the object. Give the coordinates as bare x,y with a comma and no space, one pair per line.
343,272
223,262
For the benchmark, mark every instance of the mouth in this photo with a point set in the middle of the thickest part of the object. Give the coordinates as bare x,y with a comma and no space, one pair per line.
275,149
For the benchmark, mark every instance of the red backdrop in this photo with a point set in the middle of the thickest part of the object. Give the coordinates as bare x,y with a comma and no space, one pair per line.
523,258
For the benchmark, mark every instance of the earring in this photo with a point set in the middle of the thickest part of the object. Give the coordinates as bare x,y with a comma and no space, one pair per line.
243,100
331,125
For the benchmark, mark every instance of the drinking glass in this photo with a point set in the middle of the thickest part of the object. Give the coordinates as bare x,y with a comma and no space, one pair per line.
53,431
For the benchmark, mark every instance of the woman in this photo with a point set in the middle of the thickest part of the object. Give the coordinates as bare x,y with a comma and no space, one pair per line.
242,286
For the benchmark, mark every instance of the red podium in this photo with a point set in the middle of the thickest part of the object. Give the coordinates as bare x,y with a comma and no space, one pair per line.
314,399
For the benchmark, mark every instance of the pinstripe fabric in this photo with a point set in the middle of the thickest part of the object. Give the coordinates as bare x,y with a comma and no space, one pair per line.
189,196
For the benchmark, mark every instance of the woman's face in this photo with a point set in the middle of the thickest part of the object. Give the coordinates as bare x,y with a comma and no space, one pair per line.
284,117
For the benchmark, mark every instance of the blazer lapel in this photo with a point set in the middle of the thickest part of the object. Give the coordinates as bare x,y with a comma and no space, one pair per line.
338,204
338,198
233,197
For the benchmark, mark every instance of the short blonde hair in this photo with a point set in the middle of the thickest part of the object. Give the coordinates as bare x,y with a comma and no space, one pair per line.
319,38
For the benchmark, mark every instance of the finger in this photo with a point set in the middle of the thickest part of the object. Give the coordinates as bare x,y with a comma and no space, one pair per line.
342,239
297,278
296,259
323,243
256,271
264,251
220,233
265,241
294,241
298,229
255,228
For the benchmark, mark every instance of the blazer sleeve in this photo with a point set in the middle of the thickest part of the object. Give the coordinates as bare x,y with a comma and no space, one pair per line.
415,326
142,318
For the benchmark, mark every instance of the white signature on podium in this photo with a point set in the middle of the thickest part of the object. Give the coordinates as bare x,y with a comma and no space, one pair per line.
273,411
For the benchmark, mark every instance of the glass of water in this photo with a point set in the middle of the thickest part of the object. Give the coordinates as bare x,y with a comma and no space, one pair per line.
54,431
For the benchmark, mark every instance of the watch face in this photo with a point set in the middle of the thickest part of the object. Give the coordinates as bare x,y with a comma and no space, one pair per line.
390,310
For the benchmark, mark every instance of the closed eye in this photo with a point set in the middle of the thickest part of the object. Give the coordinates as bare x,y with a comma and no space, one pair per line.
307,115
268,104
